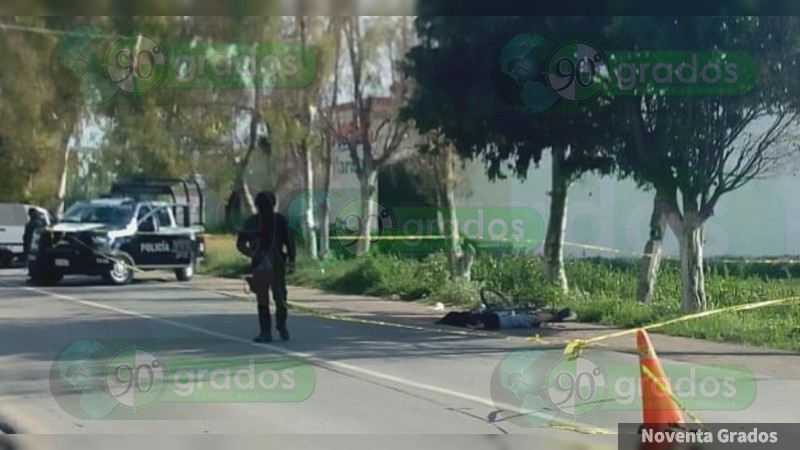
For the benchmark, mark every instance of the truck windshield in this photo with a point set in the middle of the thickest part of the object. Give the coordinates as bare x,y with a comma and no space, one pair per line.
118,215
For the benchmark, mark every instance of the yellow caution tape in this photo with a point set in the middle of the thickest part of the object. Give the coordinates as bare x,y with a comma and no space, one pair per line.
538,339
607,249
600,248
670,257
662,386
393,238
344,318
566,426
574,348
107,256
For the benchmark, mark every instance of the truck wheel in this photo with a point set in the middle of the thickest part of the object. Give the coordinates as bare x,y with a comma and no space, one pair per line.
185,273
6,258
122,270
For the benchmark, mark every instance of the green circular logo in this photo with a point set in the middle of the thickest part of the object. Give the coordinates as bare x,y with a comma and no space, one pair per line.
362,219
534,388
77,67
136,64
577,72
576,388
518,388
136,378
523,64
300,204
79,372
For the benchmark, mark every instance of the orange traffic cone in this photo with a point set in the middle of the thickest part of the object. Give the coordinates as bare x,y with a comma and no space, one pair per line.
659,410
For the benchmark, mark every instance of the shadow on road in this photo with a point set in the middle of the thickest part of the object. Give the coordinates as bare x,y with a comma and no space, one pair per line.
330,338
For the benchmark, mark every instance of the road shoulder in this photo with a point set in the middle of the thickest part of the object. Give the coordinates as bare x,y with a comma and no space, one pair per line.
767,362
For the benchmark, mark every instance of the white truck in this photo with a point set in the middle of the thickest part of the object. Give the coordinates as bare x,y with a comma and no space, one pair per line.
13,218
140,225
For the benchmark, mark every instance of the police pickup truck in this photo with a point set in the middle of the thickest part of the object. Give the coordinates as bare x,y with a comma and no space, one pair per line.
127,231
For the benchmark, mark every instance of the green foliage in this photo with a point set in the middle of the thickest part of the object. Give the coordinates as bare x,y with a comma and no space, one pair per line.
35,121
685,142
380,275
457,292
460,90
602,291
222,259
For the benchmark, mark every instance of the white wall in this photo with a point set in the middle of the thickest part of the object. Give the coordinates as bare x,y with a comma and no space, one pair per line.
760,219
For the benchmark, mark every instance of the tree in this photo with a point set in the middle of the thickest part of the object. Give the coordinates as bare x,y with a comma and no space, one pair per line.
692,150
444,160
299,122
374,46
38,123
276,119
157,134
460,89
214,129
327,99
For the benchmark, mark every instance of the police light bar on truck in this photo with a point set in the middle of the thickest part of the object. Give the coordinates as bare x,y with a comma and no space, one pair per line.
150,189
111,200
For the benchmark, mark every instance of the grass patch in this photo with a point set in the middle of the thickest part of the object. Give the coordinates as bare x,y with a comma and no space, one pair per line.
222,259
601,290
380,275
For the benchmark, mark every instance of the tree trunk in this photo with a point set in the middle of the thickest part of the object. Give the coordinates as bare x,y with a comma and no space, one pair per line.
652,254
240,185
460,261
370,219
325,206
325,213
557,223
693,281
325,241
240,202
58,205
310,222
460,257
448,227
247,205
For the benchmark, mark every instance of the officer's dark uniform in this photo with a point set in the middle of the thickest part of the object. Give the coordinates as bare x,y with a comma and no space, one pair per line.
267,234
35,220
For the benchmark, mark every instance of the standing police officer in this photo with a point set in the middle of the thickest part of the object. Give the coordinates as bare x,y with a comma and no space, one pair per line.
35,220
267,240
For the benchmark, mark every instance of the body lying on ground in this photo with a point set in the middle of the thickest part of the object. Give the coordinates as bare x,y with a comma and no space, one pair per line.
493,319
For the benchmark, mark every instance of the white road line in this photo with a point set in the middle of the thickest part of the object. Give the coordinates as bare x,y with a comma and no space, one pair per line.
317,361
22,423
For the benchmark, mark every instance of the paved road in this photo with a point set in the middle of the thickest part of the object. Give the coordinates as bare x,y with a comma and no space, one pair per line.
369,378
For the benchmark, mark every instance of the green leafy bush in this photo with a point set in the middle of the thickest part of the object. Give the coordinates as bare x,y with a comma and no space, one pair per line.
601,290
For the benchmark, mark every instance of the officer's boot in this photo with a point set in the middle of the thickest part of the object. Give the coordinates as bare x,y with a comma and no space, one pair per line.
264,322
280,319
